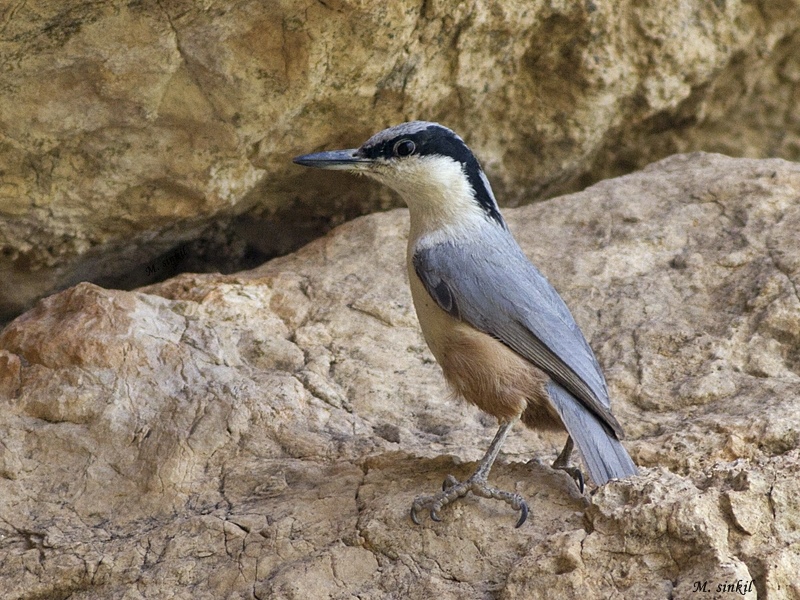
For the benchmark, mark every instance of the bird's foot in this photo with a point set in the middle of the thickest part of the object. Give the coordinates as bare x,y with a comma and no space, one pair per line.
562,463
452,490
576,475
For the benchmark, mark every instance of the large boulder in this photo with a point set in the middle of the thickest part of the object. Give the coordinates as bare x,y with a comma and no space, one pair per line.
142,138
263,435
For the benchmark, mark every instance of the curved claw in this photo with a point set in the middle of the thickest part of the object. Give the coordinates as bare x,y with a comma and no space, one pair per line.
523,517
435,516
575,473
579,480
414,515
577,477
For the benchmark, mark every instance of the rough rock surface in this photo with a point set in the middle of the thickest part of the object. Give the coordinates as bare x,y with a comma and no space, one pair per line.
128,128
263,435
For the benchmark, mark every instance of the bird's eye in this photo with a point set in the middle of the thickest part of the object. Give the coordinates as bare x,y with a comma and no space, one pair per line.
404,148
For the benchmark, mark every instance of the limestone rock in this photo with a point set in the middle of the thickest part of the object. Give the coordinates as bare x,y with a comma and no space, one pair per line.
141,138
263,435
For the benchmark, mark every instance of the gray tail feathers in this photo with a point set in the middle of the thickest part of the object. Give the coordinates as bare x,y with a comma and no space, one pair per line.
602,452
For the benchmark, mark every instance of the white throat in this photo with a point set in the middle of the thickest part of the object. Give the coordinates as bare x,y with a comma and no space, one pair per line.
437,192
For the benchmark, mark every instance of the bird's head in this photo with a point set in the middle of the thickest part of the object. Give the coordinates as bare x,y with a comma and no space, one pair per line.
427,164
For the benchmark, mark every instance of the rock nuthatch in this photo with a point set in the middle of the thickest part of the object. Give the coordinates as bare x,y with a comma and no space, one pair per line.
502,335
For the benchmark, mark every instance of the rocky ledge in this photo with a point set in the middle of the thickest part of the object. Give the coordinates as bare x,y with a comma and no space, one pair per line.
262,435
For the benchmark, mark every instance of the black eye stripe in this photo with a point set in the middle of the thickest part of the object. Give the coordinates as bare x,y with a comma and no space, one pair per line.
435,140
432,141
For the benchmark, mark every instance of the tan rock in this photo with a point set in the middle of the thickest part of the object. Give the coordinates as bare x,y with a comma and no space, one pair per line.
263,435
127,130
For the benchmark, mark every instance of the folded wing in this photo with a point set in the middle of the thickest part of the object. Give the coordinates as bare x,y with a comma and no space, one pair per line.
498,291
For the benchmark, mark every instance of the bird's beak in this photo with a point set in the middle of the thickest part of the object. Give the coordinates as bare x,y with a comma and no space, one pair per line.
335,159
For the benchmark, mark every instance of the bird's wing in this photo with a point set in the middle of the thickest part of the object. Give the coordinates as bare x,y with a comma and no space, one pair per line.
498,291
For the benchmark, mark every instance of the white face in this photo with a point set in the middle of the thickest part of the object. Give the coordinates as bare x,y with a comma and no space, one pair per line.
435,189
425,163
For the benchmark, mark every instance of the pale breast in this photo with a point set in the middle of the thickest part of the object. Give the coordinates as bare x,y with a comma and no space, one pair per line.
481,369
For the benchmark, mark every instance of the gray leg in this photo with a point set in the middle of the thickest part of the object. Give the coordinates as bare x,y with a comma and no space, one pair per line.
562,463
452,489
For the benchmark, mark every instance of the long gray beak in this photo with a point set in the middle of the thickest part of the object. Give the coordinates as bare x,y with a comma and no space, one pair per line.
335,159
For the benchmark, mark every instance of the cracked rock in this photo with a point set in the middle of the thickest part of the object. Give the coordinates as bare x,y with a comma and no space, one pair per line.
144,138
262,435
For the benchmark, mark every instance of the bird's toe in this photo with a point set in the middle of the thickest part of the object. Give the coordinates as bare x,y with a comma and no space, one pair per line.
449,482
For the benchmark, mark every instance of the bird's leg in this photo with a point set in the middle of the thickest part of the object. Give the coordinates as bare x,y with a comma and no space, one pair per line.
452,489
562,463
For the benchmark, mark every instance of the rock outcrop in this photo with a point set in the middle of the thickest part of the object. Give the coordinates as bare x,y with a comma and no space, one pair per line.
263,435
142,138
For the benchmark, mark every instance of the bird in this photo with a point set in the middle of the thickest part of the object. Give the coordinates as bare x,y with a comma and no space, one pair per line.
503,337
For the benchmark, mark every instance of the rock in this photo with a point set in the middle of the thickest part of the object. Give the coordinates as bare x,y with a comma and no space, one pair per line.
145,138
262,435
